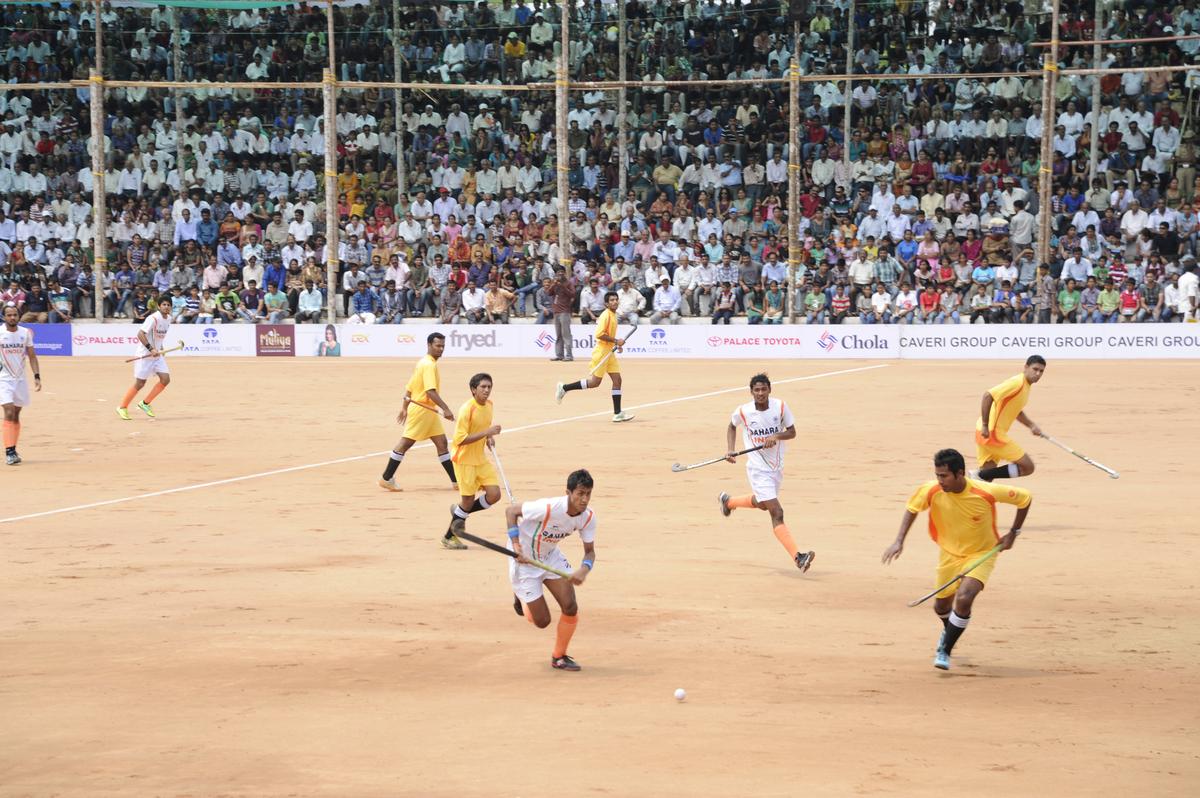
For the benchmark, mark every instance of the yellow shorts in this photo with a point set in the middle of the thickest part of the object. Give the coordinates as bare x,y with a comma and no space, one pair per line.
950,566
422,424
472,478
992,450
611,366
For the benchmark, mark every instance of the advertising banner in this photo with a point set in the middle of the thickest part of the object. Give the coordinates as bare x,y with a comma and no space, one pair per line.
275,340
1070,341
203,340
51,340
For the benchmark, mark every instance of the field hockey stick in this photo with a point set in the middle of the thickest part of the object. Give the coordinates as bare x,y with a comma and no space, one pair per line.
995,550
160,353
487,544
503,478
1082,457
676,467
612,352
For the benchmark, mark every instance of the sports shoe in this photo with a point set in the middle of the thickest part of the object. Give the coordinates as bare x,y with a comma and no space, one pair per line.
12,458
723,499
804,560
555,359
451,542
622,416
941,660
145,408
390,484
564,663
123,413
456,524
517,606
559,392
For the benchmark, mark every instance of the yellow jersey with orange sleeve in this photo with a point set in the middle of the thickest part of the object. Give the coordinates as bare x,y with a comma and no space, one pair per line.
424,378
472,418
1008,400
964,523
605,325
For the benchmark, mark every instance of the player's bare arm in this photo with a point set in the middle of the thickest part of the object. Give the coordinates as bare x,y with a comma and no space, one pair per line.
512,517
402,416
985,412
589,556
488,433
437,400
775,438
1008,540
730,441
33,364
146,343
1027,421
892,552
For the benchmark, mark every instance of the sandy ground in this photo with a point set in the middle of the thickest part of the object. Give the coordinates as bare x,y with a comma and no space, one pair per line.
302,633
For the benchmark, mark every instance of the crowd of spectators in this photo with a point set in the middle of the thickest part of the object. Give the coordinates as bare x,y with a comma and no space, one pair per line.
926,212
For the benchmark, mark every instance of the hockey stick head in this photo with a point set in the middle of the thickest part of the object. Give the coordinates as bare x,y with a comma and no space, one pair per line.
677,467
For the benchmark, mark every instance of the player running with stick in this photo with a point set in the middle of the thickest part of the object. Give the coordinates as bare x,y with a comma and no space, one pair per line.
16,344
1002,405
422,392
765,422
962,521
473,432
535,529
150,360
604,360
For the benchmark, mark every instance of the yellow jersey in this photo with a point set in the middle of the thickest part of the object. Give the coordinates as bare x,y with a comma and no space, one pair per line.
964,523
473,418
424,379
605,325
1008,400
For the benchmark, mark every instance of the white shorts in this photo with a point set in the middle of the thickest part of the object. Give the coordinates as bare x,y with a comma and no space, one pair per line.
14,392
527,579
765,484
147,368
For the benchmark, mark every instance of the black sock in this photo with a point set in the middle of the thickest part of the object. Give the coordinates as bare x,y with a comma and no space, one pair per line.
480,504
573,386
955,626
616,396
945,619
997,472
10,449
394,461
448,465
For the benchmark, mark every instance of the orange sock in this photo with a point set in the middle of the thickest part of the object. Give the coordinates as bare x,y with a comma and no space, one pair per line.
566,628
155,391
10,434
785,537
132,392
740,501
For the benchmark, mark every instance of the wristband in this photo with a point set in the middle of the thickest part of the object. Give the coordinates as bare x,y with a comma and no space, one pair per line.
1014,532
589,564
37,375
514,532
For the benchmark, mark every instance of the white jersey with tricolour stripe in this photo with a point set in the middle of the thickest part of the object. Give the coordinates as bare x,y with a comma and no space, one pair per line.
14,348
756,425
155,327
545,522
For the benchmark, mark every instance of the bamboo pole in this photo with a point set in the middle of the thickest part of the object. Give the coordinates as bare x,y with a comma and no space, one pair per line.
331,217
1045,172
562,156
849,83
622,100
794,161
329,48
99,197
1097,54
398,100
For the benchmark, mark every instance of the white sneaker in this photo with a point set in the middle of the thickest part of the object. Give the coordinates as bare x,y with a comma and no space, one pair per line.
622,416
559,392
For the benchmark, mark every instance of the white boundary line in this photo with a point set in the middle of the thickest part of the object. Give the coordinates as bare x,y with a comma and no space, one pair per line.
291,469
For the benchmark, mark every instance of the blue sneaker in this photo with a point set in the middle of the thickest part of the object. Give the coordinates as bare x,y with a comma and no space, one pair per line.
941,660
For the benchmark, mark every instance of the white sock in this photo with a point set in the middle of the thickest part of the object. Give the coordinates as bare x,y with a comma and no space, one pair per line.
959,621
1014,470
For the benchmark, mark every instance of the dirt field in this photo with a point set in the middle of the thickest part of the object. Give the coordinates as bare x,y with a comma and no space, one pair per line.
300,632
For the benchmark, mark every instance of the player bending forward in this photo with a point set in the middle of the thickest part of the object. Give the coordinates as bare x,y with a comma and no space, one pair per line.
1001,406
150,340
604,360
962,521
765,422
16,344
534,531
423,423
472,432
